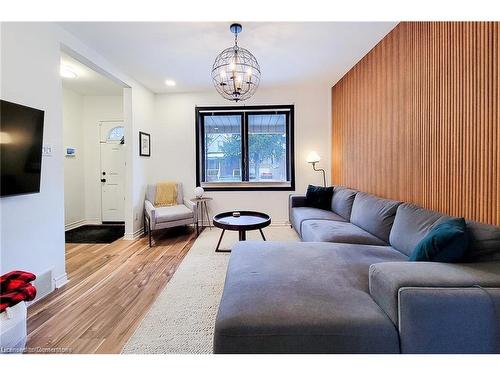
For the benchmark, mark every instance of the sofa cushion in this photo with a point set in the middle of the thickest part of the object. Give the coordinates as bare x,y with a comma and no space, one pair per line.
484,242
445,242
337,231
172,213
303,298
319,197
342,201
411,225
299,214
373,214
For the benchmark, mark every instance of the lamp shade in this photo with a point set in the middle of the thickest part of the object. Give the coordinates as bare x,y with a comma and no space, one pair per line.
313,157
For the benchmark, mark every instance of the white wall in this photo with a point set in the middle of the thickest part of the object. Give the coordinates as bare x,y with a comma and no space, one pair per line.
142,115
82,188
32,226
74,174
173,144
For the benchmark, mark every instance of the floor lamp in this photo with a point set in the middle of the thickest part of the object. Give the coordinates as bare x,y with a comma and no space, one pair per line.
314,158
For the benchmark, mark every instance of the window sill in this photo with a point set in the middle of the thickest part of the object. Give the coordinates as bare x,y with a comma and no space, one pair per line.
248,186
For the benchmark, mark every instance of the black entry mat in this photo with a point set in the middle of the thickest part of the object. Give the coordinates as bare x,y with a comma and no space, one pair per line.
95,234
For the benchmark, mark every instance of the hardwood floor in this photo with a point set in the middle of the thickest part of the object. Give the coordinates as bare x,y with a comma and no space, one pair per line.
110,289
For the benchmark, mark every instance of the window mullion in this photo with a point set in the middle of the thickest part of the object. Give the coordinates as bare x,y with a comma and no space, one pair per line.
202,151
244,147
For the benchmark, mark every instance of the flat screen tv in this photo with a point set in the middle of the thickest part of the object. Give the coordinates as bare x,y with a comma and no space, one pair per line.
21,133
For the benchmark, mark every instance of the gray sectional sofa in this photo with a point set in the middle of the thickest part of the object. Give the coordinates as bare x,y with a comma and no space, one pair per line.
348,287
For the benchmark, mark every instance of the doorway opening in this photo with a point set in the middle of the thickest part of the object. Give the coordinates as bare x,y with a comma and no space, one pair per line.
94,152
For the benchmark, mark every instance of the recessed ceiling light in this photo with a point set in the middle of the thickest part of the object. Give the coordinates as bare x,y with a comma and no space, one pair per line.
67,72
170,83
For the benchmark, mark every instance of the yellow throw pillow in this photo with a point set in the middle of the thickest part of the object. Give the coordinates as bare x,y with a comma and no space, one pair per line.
166,194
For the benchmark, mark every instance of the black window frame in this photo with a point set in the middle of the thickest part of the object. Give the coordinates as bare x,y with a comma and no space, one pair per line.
244,112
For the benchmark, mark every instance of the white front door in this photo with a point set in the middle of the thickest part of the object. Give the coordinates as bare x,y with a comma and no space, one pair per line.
112,171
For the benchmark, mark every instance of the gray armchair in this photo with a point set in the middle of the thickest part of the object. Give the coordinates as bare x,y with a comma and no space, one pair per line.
155,218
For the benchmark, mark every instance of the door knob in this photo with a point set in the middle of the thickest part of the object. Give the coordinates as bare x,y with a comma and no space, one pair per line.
103,180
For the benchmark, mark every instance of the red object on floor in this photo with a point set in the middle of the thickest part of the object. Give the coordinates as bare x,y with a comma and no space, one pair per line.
15,287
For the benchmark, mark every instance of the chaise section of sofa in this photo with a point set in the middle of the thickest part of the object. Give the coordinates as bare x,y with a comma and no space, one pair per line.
286,297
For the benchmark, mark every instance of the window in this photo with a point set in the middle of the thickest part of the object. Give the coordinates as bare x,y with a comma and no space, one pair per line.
115,134
245,148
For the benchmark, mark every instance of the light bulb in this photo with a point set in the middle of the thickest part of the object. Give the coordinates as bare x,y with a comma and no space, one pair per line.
313,157
67,72
249,72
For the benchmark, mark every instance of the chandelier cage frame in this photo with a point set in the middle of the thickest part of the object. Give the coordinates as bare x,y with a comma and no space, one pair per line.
236,72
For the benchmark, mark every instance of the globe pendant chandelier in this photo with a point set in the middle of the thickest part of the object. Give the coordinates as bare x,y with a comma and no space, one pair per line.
236,72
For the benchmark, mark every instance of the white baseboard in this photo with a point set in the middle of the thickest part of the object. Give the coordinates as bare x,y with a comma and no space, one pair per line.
79,223
280,223
57,282
133,236
60,280
138,233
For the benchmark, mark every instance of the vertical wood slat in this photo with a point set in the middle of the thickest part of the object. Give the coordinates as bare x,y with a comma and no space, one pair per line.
417,119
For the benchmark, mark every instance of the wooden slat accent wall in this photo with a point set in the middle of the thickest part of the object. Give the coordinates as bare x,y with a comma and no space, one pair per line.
417,119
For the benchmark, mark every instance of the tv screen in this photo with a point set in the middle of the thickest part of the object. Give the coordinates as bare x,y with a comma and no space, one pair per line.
21,132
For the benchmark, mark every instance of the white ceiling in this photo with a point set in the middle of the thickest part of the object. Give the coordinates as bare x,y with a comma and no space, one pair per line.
288,52
88,81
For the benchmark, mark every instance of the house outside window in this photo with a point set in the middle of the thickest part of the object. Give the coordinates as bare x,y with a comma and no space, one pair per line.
245,148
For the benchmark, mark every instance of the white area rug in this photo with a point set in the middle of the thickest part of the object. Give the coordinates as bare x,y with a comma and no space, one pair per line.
182,318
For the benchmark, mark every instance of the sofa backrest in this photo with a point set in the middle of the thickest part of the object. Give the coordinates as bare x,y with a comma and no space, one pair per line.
373,214
151,193
411,224
342,201
484,242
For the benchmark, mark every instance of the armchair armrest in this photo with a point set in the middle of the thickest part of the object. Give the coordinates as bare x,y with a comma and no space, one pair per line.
449,320
149,209
386,279
192,207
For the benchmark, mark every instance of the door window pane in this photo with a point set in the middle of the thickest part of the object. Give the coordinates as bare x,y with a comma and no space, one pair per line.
116,134
267,147
222,148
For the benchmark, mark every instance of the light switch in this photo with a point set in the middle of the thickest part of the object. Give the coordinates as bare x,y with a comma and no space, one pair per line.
46,150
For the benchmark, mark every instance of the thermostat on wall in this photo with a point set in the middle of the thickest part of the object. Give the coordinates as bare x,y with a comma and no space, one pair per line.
70,152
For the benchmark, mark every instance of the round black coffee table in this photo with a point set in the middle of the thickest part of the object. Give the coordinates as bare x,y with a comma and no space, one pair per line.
248,220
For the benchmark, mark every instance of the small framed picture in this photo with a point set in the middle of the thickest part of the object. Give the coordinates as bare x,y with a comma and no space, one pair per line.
144,144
